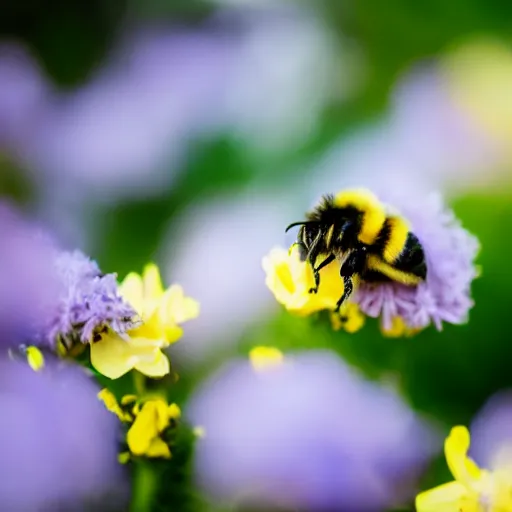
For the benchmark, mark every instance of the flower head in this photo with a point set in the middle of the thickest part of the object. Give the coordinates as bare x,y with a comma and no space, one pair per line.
89,303
445,295
474,489
149,422
290,279
161,311
303,435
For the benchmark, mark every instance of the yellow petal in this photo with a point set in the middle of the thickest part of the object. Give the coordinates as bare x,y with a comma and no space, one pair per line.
290,280
111,356
456,448
263,358
128,399
35,358
110,401
153,287
156,367
445,498
174,412
158,448
176,308
143,430
132,290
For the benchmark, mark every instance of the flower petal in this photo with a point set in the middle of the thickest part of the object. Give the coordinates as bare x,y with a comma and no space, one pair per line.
456,448
176,308
153,287
444,498
290,279
155,368
110,402
111,356
143,430
158,448
131,289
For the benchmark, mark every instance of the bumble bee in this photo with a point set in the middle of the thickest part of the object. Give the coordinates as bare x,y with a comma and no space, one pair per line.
370,243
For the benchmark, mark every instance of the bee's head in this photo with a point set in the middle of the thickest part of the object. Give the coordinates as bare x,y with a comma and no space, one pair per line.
307,232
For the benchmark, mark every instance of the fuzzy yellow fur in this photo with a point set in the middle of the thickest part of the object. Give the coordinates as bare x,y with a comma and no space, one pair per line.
369,205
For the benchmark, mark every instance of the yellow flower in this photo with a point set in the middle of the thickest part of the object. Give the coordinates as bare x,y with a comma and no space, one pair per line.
35,358
149,420
474,489
144,437
290,280
264,358
479,78
161,312
349,318
398,329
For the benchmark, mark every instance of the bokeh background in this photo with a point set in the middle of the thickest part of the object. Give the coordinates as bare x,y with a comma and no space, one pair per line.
192,132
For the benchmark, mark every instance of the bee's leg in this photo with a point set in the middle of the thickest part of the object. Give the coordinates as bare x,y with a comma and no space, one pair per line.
348,288
316,272
353,266
303,250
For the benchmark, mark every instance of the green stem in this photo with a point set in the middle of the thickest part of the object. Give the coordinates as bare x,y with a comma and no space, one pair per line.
139,382
144,487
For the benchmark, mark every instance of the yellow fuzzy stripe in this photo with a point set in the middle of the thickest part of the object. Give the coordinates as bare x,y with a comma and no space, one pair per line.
397,238
368,204
376,263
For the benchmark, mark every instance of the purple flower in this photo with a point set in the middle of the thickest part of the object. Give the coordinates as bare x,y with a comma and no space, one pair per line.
58,442
89,301
309,433
28,284
491,432
450,252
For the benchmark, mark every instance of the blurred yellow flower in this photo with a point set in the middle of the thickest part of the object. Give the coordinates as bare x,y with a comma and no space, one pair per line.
479,79
35,358
161,312
110,402
290,280
474,489
263,358
149,418
398,329
349,318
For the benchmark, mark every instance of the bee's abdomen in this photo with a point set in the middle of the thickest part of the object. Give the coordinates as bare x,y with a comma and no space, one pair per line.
412,257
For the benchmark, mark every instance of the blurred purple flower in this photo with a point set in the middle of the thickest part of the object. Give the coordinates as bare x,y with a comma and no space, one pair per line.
491,432
22,94
127,130
450,251
310,434
89,301
29,287
58,442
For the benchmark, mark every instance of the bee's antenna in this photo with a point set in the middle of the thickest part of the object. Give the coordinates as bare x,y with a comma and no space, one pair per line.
302,223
